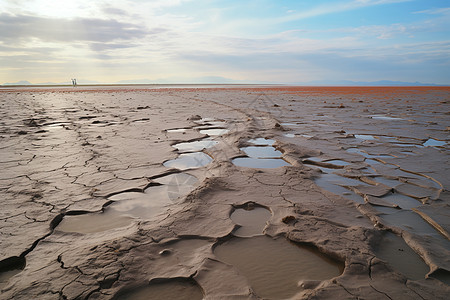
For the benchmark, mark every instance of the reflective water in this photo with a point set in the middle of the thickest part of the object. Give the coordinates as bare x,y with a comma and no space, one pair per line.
338,162
189,161
195,145
403,201
262,142
265,163
94,222
274,267
214,132
252,221
287,124
289,135
261,152
335,184
383,117
367,155
389,182
182,289
409,221
130,205
364,137
177,130
179,179
401,257
178,185
434,143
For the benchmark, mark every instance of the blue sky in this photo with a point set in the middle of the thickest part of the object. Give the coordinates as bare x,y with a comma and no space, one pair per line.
244,41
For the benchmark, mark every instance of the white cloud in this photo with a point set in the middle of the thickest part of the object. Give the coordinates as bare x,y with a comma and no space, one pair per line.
334,7
435,11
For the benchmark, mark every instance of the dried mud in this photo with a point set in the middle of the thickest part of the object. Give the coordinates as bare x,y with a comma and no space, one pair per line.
98,201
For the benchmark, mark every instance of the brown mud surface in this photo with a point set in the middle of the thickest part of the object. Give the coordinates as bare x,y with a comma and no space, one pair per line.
128,193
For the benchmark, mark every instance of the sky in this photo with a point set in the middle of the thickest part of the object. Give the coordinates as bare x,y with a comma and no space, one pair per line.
182,41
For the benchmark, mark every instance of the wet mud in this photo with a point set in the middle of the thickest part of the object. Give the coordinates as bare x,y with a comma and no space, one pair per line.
244,193
276,268
177,288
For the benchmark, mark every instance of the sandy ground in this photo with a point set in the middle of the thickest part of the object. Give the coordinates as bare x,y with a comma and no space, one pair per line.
99,203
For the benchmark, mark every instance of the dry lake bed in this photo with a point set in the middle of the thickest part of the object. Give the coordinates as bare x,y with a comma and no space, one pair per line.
238,192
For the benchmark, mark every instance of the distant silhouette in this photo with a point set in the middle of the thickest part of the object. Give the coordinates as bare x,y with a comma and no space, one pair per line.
74,82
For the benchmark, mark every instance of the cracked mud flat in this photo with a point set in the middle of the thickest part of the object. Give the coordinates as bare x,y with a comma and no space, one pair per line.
363,181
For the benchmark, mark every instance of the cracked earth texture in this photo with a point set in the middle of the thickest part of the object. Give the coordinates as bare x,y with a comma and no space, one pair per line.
361,164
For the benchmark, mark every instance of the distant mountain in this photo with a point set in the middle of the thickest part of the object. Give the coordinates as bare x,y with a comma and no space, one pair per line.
23,82
79,81
363,83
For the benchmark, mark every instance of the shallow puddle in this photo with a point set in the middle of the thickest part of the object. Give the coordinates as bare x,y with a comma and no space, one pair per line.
403,201
195,145
129,205
208,120
389,182
262,142
177,130
289,124
6,275
367,155
261,152
407,145
252,220
358,151
263,163
94,222
337,162
442,275
179,179
142,205
434,143
214,132
10,267
335,184
178,185
383,117
306,136
366,137
274,267
182,289
216,123
289,135
189,161
401,257
410,221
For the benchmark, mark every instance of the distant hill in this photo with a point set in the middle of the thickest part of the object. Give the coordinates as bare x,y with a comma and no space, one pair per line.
23,82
